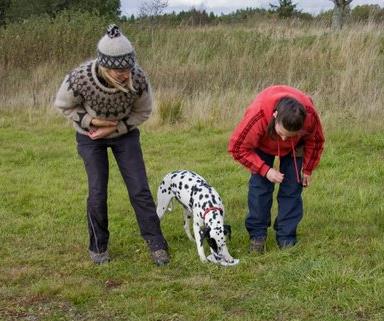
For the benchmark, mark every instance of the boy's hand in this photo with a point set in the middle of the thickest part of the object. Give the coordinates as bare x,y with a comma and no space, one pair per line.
274,176
306,180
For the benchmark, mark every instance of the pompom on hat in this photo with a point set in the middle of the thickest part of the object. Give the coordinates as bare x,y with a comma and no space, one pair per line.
115,51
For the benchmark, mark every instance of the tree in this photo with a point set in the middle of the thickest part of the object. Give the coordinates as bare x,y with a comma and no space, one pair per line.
23,9
367,12
4,6
152,8
339,12
285,8
101,7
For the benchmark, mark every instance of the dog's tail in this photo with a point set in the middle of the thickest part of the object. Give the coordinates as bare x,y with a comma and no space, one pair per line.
164,197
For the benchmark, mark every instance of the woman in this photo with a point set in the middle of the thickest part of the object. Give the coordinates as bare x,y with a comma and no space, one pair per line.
106,99
281,121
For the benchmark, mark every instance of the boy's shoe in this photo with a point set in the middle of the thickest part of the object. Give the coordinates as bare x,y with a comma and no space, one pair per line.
160,257
258,245
99,258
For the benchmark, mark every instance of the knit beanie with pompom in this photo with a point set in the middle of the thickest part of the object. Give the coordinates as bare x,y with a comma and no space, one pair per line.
115,51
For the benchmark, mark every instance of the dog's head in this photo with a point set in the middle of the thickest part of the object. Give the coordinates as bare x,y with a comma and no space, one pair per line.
215,232
214,241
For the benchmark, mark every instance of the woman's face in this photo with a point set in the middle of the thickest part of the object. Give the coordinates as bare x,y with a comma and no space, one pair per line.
121,75
282,132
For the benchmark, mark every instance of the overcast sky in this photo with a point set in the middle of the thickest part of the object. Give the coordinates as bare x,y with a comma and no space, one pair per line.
129,7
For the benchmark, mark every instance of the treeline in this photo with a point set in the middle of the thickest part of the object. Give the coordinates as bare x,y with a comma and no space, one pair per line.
195,17
192,17
19,10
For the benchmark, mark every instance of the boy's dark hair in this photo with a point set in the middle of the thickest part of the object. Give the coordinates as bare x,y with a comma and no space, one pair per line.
290,113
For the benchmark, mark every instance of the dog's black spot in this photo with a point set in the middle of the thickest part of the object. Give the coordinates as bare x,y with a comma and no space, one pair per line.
186,186
201,197
190,202
190,179
206,195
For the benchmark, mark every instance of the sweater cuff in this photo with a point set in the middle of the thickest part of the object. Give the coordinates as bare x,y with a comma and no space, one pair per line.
307,172
122,127
264,170
86,121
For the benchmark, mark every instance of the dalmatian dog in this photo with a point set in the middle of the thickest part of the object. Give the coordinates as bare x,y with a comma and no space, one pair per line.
203,206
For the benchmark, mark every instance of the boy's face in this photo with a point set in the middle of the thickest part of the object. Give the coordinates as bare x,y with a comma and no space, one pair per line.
282,132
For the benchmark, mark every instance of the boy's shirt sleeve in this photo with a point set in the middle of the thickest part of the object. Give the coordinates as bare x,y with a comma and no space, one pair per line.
313,145
245,139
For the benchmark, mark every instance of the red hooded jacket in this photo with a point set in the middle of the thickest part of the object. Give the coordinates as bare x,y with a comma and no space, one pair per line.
251,132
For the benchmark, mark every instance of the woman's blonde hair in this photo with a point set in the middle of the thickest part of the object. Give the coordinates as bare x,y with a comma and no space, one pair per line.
125,87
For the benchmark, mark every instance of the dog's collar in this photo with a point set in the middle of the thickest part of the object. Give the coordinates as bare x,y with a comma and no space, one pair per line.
210,209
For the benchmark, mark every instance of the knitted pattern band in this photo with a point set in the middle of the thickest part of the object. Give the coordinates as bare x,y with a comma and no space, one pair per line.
115,51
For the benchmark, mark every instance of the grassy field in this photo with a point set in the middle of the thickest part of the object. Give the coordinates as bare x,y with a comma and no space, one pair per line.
336,272
203,79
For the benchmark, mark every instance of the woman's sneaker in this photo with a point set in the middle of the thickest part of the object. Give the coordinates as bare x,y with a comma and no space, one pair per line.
258,245
99,258
160,257
285,244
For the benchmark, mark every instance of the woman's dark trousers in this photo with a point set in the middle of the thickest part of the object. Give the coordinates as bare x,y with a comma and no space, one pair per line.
127,152
290,204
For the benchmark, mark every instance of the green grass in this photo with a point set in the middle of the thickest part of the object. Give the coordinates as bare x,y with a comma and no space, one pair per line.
335,273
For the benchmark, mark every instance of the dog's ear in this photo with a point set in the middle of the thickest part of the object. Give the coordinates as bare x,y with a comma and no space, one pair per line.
228,231
212,244
204,233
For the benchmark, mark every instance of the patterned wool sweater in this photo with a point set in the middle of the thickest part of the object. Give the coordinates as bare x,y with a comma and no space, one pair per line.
83,96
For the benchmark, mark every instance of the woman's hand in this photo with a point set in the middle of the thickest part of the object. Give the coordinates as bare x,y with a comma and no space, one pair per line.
101,132
306,180
97,122
274,176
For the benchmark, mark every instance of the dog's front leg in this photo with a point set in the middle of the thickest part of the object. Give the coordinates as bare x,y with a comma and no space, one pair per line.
199,242
187,227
